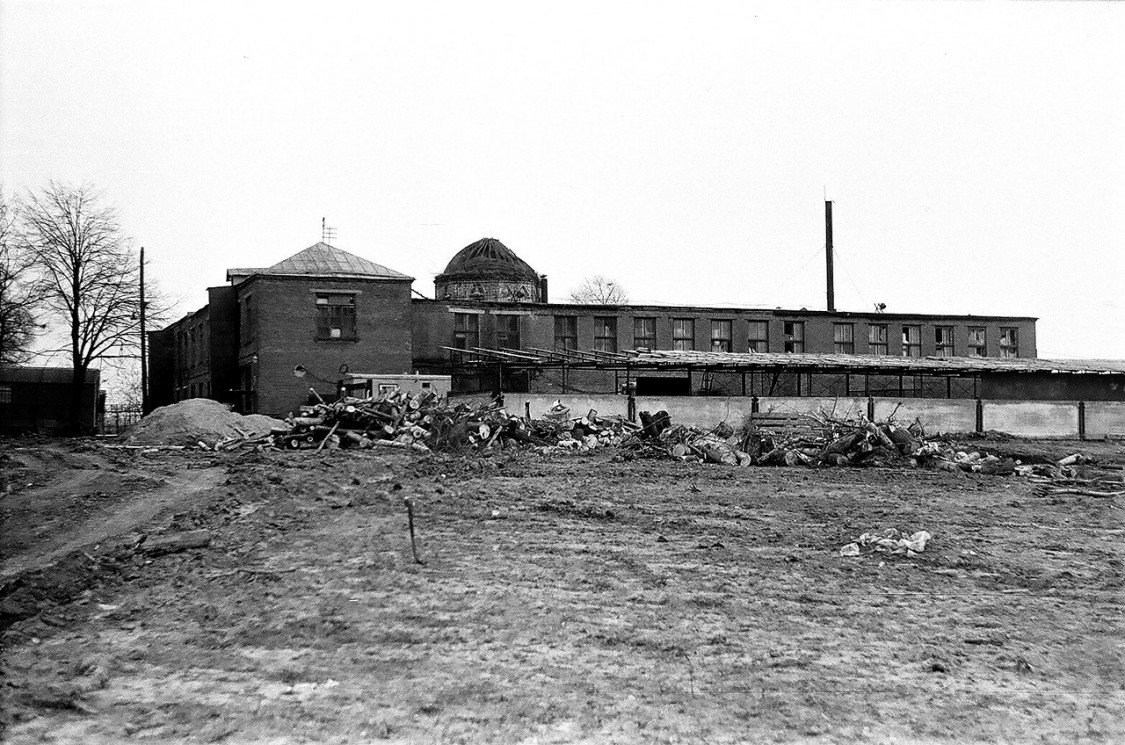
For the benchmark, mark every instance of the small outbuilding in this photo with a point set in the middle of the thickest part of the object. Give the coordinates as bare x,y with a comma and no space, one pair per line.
38,399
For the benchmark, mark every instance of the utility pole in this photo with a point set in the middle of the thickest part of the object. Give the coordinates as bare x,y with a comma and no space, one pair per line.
144,341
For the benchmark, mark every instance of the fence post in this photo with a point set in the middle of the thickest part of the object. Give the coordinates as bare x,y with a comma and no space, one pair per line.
1081,420
753,404
980,416
870,409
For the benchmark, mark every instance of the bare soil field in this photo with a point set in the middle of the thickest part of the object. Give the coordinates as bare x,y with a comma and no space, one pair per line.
561,599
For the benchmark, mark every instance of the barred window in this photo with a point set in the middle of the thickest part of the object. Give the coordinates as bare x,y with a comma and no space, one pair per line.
683,334
843,338
644,333
794,336
943,341
507,332
877,338
1009,342
605,334
566,332
720,335
335,316
977,345
466,330
758,338
911,341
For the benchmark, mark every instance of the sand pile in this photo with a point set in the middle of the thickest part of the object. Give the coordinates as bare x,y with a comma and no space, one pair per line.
195,420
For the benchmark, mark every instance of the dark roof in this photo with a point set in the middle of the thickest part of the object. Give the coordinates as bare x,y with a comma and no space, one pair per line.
323,260
45,375
486,259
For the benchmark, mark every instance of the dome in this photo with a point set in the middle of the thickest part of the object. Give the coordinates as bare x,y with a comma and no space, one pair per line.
487,259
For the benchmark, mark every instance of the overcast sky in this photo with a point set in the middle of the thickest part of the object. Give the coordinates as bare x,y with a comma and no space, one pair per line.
975,151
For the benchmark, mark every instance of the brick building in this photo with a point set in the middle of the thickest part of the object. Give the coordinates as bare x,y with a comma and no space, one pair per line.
324,312
321,312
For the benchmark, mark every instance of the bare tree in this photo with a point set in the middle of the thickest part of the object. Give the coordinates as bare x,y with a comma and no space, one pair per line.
87,274
18,296
597,290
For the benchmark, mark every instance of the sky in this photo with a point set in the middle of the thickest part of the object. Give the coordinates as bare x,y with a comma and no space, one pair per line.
973,151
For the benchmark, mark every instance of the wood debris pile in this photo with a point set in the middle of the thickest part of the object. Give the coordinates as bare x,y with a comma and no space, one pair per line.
824,441
1074,474
425,423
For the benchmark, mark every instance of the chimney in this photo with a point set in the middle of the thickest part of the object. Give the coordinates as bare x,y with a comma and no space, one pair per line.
542,288
828,255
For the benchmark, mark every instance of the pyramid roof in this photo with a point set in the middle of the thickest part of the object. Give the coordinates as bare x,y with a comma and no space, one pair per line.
323,260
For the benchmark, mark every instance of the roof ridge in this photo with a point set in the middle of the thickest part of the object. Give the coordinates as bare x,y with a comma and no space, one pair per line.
324,259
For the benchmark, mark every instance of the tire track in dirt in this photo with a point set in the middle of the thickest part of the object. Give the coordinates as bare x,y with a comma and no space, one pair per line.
176,491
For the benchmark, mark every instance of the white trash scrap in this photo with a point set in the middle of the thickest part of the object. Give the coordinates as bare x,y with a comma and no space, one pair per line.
889,541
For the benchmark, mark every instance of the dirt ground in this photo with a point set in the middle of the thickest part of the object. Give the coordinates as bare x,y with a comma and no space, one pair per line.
562,599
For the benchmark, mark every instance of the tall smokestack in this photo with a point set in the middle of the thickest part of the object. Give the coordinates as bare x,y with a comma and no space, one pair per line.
828,254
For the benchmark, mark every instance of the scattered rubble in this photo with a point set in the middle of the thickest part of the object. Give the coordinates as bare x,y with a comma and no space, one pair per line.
889,541
426,423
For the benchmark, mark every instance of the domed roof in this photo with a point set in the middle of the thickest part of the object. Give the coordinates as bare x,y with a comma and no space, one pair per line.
488,258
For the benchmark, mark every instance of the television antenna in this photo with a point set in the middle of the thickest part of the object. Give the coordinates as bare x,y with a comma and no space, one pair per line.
327,234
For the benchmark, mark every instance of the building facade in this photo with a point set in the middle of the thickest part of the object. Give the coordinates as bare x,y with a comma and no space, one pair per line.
263,341
326,312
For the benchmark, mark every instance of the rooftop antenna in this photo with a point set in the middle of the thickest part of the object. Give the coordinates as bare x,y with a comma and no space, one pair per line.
327,234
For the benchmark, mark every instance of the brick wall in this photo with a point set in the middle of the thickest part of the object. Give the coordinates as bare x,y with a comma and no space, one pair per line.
284,335
433,327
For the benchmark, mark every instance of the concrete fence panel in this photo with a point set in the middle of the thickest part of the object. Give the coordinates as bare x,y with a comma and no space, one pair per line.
1020,418
1032,418
605,404
936,414
841,408
1104,418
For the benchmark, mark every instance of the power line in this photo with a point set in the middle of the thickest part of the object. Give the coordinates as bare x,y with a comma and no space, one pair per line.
849,275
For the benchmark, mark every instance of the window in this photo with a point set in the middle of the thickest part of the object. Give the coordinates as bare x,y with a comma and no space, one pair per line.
877,338
758,337
843,338
977,347
466,330
720,336
605,334
247,319
794,336
683,334
943,341
644,333
335,316
1009,342
507,332
5,393
911,341
566,332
